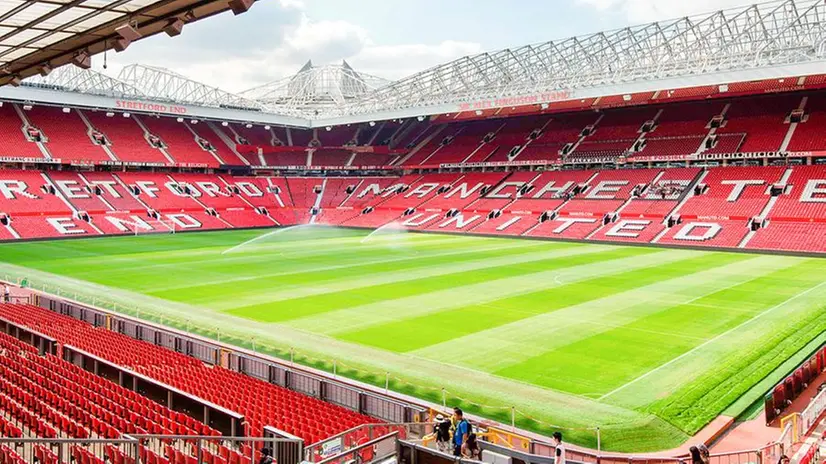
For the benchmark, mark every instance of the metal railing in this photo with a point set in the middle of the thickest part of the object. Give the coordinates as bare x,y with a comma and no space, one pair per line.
144,448
373,450
206,448
382,406
809,417
357,436
67,450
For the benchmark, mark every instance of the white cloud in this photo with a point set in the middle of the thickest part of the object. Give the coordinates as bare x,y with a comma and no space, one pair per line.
643,11
273,41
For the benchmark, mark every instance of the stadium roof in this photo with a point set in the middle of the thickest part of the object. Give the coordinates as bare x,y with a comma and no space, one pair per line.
777,39
770,34
39,35
316,89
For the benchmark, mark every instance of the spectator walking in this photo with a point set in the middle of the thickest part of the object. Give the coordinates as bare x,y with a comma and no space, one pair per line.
705,455
460,432
471,449
696,458
442,429
559,454
7,294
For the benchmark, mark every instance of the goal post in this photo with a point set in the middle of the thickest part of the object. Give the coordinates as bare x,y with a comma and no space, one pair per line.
154,226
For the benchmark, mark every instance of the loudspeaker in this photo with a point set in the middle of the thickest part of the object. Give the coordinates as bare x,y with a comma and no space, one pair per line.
128,32
174,28
121,44
240,6
82,60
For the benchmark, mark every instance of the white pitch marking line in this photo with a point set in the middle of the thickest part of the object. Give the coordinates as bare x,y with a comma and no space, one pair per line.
711,340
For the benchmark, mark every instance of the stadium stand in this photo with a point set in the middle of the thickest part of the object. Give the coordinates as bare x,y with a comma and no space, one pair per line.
300,137
38,204
284,158
414,133
224,148
752,205
180,141
331,157
13,140
248,134
27,193
762,120
77,190
732,193
159,191
662,195
614,134
716,233
440,138
113,191
128,139
261,403
337,136
64,134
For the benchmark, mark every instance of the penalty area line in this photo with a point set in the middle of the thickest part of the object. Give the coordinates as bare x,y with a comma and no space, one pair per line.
711,340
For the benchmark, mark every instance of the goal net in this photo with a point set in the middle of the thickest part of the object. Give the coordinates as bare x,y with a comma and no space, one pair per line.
146,227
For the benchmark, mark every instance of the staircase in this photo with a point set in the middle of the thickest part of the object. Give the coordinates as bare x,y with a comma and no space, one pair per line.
91,128
40,145
146,134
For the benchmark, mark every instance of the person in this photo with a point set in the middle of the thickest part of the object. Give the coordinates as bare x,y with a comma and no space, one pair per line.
7,293
461,431
442,430
705,455
559,454
471,449
783,460
695,455
266,456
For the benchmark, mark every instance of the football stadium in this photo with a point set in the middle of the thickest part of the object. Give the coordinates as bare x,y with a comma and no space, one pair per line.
605,248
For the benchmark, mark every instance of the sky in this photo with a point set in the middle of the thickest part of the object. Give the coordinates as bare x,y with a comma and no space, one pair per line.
386,38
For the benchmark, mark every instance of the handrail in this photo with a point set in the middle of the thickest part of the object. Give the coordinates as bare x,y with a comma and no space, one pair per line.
371,443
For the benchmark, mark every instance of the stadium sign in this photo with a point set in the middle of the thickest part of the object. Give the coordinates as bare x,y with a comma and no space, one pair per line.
806,154
134,105
725,156
544,97
331,447
19,159
304,167
134,163
493,164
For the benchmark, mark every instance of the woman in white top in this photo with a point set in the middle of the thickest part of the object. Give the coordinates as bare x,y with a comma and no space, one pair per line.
559,454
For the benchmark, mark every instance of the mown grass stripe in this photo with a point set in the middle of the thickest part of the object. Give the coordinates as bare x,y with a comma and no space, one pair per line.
389,309
498,348
264,285
635,356
414,333
287,304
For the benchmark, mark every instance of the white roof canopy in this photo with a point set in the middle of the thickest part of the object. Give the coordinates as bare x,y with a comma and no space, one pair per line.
782,36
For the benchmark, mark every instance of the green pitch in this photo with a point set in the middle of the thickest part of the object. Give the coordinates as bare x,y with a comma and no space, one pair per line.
648,344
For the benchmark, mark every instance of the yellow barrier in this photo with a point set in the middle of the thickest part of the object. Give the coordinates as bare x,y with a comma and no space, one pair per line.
795,419
511,440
